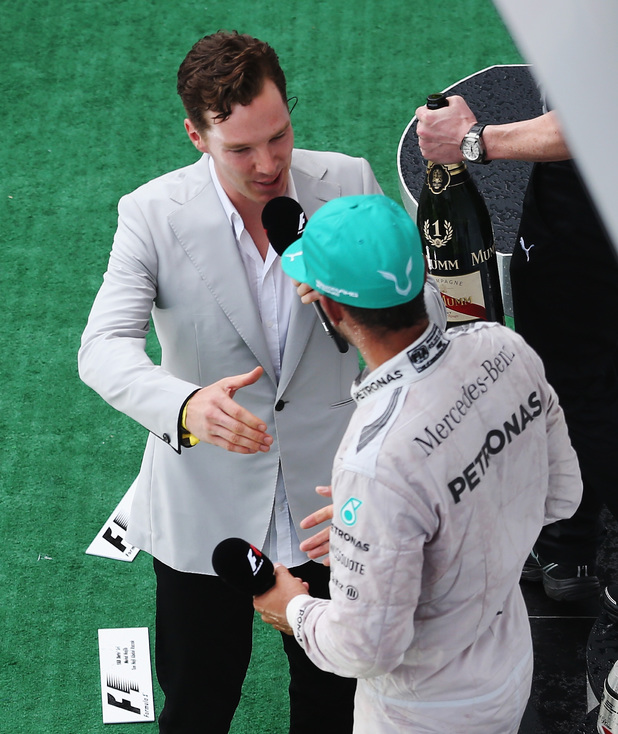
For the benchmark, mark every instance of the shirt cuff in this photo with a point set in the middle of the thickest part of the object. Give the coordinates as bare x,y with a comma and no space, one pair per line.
295,612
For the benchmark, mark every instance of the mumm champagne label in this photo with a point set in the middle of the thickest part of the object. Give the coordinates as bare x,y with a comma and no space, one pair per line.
438,234
482,256
462,296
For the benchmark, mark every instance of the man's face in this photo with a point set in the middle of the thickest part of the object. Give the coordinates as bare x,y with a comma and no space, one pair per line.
252,149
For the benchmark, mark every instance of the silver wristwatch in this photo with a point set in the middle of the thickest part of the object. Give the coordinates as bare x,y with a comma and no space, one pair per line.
472,146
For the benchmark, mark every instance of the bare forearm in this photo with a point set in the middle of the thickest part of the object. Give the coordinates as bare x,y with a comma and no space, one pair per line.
441,131
539,139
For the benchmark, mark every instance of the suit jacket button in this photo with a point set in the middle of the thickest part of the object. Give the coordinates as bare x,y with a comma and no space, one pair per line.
280,405
166,438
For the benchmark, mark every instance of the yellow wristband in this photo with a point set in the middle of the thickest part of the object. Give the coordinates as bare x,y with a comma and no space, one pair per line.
187,435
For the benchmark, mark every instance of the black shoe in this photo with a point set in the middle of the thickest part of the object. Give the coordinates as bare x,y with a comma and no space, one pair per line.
562,581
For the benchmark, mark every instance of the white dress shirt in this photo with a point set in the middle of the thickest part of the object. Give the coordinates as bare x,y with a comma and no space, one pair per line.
273,292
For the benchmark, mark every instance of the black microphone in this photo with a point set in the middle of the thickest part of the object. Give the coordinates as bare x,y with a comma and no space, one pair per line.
284,220
243,566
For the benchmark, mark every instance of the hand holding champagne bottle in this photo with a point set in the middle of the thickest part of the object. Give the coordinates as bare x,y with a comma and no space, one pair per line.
457,236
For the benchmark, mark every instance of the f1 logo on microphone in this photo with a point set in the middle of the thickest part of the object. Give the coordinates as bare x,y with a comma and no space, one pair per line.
255,559
302,221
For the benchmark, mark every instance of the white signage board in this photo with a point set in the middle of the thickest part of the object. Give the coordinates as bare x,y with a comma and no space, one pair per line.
126,675
110,542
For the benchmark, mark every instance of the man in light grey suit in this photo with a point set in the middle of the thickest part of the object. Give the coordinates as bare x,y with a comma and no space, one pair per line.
251,398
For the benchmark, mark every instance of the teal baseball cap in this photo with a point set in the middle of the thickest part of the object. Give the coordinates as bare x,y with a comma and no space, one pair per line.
362,251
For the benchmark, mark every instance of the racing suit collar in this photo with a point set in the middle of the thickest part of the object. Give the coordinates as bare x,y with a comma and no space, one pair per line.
411,364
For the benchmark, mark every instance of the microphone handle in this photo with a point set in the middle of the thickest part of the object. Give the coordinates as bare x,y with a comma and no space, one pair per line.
341,343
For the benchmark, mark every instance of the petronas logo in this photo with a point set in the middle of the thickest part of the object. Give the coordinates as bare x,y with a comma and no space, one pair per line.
348,511
436,239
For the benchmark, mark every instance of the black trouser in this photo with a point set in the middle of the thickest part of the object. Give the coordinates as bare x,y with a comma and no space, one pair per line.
203,646
564,281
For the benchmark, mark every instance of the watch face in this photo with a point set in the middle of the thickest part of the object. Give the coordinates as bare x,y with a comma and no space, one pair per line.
471,149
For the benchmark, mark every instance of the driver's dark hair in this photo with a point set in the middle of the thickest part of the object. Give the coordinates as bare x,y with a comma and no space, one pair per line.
393,318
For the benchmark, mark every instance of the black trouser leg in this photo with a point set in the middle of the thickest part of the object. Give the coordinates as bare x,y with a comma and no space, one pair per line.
564,279
203,647
319,701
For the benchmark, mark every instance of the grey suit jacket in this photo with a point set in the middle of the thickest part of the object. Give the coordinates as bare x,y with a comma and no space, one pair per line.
174,256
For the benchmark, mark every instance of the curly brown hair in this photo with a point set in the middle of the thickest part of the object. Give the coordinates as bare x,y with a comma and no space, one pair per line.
224,69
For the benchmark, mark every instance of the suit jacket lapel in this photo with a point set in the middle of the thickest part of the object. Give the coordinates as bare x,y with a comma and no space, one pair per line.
312,192
311,188
215,256
302,320
200,227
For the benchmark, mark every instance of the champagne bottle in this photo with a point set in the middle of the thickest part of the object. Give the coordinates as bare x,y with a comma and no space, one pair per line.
458,239
607,722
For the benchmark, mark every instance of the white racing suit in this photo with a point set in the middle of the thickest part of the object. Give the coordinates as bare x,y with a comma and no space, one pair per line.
456,456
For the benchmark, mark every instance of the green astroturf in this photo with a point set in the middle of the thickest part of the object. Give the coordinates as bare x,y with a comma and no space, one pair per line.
88,111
